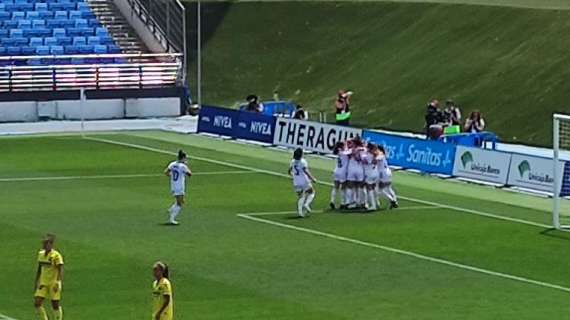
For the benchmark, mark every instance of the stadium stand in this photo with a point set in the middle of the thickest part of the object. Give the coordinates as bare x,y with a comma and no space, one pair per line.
53,45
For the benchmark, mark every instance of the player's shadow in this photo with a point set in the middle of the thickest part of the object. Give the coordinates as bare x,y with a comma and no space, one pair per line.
166,224
557,234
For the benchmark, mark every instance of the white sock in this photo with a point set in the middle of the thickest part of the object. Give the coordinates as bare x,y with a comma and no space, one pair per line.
362,195
387,193
174,211
333,195
310,198
300,203
393,193
372,200
349,195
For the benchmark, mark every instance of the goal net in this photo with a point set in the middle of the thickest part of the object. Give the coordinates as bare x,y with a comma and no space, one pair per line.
561,189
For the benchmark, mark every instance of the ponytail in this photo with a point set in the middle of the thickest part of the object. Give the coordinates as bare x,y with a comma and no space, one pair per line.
165,272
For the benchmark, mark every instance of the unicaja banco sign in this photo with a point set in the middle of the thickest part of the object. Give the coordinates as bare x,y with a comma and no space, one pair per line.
532,172
480,164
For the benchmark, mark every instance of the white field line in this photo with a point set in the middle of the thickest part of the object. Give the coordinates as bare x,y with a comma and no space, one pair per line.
252,217
5,317
116,176
273,173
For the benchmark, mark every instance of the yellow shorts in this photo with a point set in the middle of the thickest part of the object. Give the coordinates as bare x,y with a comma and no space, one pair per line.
48,292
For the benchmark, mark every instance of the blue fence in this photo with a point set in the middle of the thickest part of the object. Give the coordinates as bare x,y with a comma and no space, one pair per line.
424,155
236,124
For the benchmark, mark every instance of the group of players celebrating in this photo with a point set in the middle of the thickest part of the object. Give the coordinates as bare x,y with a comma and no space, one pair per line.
361,178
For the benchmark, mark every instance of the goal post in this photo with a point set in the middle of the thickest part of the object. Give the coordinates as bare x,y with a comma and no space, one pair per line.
561,176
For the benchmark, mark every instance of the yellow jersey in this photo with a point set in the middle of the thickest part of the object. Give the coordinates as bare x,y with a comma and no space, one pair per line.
48,266
161,288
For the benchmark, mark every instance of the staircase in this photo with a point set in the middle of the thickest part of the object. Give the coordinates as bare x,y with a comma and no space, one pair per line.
119,28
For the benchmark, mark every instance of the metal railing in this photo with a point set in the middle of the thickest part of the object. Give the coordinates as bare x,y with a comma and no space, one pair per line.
166,17
133,71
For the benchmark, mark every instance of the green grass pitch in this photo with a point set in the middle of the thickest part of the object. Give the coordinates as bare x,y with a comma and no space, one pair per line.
453,251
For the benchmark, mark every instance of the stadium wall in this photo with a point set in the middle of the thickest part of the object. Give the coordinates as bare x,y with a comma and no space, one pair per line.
28,111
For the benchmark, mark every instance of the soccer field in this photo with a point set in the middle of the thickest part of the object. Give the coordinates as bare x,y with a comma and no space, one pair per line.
451,251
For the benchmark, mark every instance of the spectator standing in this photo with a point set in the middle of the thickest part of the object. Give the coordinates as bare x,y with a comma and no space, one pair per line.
475,123
452,113
300,113
434,120
342,108
253,104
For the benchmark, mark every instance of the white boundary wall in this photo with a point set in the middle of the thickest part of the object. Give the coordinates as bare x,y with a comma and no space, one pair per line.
95,109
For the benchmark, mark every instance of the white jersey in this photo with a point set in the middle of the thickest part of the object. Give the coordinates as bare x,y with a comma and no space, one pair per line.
355,168
178,172
370,163
298,168
385,174
341,167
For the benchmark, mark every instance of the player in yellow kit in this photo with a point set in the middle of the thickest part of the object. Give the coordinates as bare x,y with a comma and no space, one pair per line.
48,279
162,301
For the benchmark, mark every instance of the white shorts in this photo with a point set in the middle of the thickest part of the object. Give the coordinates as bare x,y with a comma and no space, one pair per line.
340,175
355,174
385,177
177,192
371,177
303,187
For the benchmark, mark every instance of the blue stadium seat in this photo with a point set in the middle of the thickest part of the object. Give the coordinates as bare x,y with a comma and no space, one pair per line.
50,41
29,51
71,49
38,23
13,51
59,32
36,41
93,40
42,50
79,41
16,33
52,27
57,50
85,49
100,49
24,24
81,23
5,15
32,15
40,6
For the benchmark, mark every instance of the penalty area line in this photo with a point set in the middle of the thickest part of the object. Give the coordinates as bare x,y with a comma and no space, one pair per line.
254,217
277,174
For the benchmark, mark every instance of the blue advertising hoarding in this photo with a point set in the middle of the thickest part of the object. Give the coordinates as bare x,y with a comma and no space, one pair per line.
255,126
410,153
236,124
217,120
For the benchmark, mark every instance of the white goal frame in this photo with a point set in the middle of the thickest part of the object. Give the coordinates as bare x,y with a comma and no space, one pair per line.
557,186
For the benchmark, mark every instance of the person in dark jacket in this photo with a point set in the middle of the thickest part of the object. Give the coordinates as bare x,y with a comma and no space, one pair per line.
300,113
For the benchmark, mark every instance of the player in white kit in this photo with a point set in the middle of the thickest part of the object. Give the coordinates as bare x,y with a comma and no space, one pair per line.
339,175
370,161
385,179
302,178
177,171
355,176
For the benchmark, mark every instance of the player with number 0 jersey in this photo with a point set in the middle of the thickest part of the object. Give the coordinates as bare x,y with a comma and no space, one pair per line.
177,171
